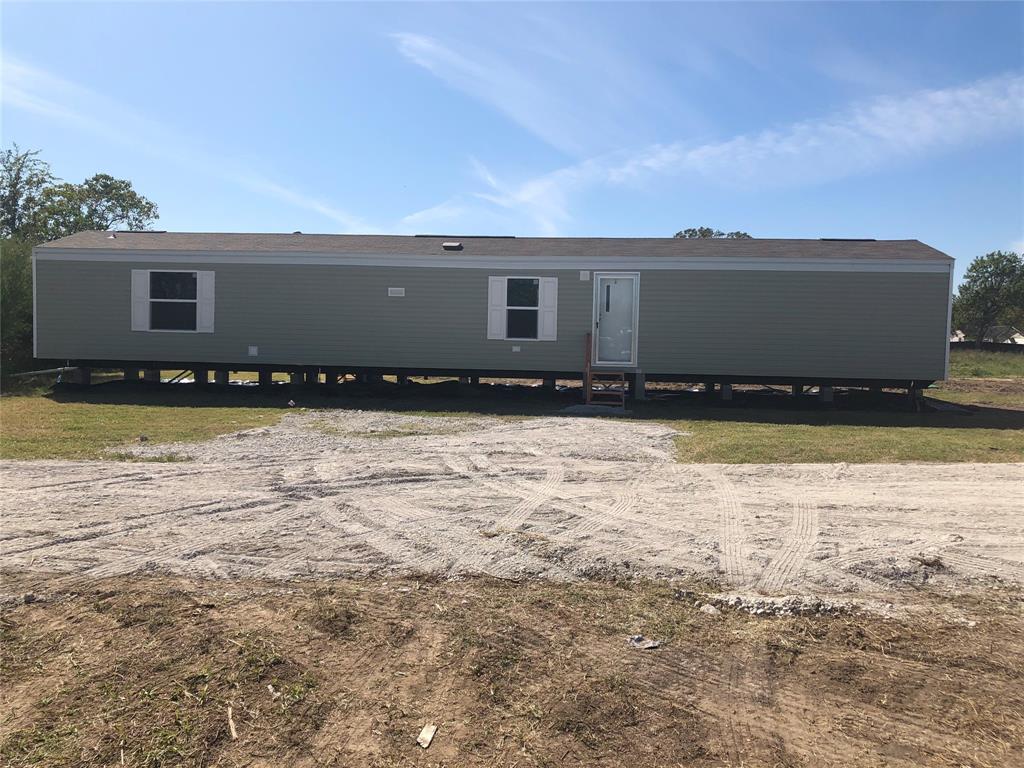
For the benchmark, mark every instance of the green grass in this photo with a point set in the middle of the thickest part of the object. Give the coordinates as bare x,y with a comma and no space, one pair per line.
744,442
969,363
104,421
38,427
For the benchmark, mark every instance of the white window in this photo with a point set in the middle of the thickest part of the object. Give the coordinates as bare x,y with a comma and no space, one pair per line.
522,308
172,300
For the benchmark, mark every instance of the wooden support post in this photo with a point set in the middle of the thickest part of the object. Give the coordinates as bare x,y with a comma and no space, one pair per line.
825,394
463,379
474,380
727,391
201,376
220,378
330,380
709,388
295,378
798,390
312,376
151,375
266,379
131,374
402,379
549,384
83,376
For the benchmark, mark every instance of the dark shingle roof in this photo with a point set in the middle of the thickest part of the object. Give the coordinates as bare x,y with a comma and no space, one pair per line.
521,247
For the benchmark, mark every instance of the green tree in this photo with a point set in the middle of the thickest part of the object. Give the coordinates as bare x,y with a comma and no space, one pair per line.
707,233
15,305
23,179
101,202
992,293
34,208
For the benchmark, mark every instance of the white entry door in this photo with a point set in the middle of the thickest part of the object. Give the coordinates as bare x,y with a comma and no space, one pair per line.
615,317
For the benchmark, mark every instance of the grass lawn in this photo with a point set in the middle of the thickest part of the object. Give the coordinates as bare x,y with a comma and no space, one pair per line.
969,363
33,426
73,424
740,438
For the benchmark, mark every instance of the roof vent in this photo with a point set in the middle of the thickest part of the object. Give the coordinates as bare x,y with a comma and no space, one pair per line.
112,236
297,232
452,245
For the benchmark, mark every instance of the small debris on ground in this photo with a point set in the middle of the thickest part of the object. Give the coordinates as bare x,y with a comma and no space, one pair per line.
794,605
426,735
929,561
291,403
710,610
143,438
642,643
231,725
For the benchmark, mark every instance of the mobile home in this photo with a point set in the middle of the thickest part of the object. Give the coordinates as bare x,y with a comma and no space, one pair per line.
815,312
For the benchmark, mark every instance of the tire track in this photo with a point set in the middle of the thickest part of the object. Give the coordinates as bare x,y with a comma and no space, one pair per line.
732,533
796,547
535,496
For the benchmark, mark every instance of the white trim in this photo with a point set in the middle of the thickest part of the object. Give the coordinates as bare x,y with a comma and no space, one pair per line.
496,316
206,296
547,309
949,322
35,311
725,263
636,319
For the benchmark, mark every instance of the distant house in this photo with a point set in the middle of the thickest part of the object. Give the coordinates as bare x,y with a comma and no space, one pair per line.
957,336
1004,334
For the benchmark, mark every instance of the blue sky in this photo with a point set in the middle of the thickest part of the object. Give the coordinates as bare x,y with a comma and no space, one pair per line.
781,119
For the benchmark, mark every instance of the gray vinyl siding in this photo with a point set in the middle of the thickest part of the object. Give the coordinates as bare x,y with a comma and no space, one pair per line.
735,322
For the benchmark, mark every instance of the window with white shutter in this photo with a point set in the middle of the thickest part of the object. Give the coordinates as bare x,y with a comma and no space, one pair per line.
170,300
522,308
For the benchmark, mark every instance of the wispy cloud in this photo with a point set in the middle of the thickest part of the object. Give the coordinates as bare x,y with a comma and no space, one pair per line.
492,81
31,89
442,214
575,92
856,141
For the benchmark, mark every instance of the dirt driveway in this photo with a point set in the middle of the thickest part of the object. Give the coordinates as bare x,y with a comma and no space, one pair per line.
348,493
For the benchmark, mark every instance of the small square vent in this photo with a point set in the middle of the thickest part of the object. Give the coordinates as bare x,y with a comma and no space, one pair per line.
396,291
452,245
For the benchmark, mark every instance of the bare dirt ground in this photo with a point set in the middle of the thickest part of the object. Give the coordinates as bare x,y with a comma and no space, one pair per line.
142,671
314,593
357,493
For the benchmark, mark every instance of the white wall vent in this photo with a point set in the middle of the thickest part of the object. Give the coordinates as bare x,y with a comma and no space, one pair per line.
396,291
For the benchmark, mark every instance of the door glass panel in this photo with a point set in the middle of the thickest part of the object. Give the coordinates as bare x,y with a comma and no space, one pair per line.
615,312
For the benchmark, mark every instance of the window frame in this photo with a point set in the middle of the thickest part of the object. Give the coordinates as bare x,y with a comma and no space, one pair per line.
195,302
536,309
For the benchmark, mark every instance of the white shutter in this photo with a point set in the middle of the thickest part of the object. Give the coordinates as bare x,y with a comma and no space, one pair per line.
496,307
547,317
140,299
205,293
